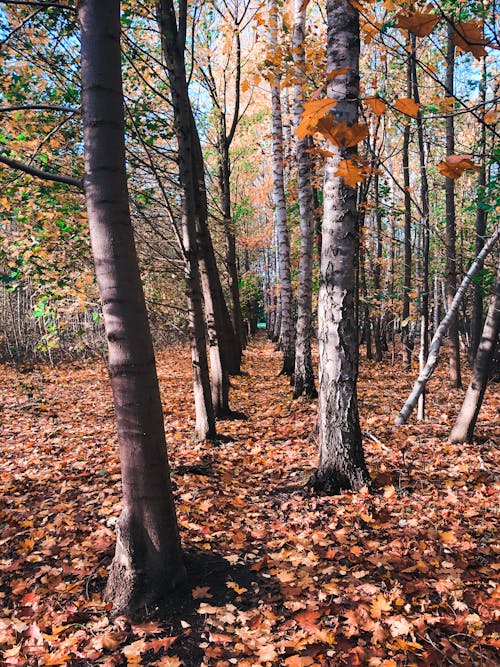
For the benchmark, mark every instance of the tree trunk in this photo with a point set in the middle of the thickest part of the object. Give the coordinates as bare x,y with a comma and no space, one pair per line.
148,559
196,239
405,333
304,374
463,429
341,462
481,215
437,339
451,256
424,204
287,333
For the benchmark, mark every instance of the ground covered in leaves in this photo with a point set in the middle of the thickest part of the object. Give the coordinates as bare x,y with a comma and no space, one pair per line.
406,575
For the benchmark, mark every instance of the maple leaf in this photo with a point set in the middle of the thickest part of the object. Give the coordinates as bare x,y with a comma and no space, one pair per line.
201,592
308,620
299,661
334,73
267,653
313,111
469,38
419,23
407,106
169,661
351,173
377,106
398,625
453,166
342,134
380,605
319,151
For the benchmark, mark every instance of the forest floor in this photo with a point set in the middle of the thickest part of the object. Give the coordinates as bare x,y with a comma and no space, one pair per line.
406,575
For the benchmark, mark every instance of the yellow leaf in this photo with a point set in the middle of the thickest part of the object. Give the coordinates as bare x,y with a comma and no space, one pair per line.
244,86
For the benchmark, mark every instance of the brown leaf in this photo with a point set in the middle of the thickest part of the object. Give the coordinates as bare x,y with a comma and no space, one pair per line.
419,23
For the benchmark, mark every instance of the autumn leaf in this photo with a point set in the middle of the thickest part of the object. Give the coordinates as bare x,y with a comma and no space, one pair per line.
469,38
299,661
308,620
320,151
313,111
334,73
377,106
201,592
342,134
169,661
398,625
419,23
407,106
453,166
351,173
380,605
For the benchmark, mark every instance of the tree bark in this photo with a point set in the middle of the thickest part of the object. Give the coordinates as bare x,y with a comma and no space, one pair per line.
287,333
341,462
148,559
463,429
437,339
304,374
451,255
481,215
406,338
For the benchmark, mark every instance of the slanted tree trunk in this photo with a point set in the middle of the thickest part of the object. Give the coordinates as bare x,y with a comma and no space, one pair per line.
463,429
287,333
148,560
451,255
341,462
304,374
437,339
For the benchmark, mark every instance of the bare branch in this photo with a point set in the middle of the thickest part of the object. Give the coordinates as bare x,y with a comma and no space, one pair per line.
39,173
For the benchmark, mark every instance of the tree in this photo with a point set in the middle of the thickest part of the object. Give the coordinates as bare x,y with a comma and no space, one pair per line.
341,462
148,561
463,429
287,331
304,374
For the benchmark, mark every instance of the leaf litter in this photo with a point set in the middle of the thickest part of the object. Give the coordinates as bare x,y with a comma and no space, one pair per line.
405,575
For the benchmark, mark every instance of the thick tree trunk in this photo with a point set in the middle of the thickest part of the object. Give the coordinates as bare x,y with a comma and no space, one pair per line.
148,560
287,333
304,374
341,461
463,429
451,255
437,339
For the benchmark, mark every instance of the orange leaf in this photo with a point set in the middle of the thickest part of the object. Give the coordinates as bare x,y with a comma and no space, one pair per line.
351,173
407,106
419,23
453,166
320,151
341,134
308,620
469,38
334,73
314,110
377,106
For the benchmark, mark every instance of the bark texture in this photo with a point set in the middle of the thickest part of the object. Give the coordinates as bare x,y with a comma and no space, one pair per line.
304,374
463,429
148,559
341,461
287,332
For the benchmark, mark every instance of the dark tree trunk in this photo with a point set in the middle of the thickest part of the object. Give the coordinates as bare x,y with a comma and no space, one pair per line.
405,327
451,255
481,215
463,430
148,560
341,462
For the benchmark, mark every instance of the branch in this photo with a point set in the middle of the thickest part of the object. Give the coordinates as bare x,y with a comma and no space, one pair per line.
433,357
41,107
39,173
39,4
